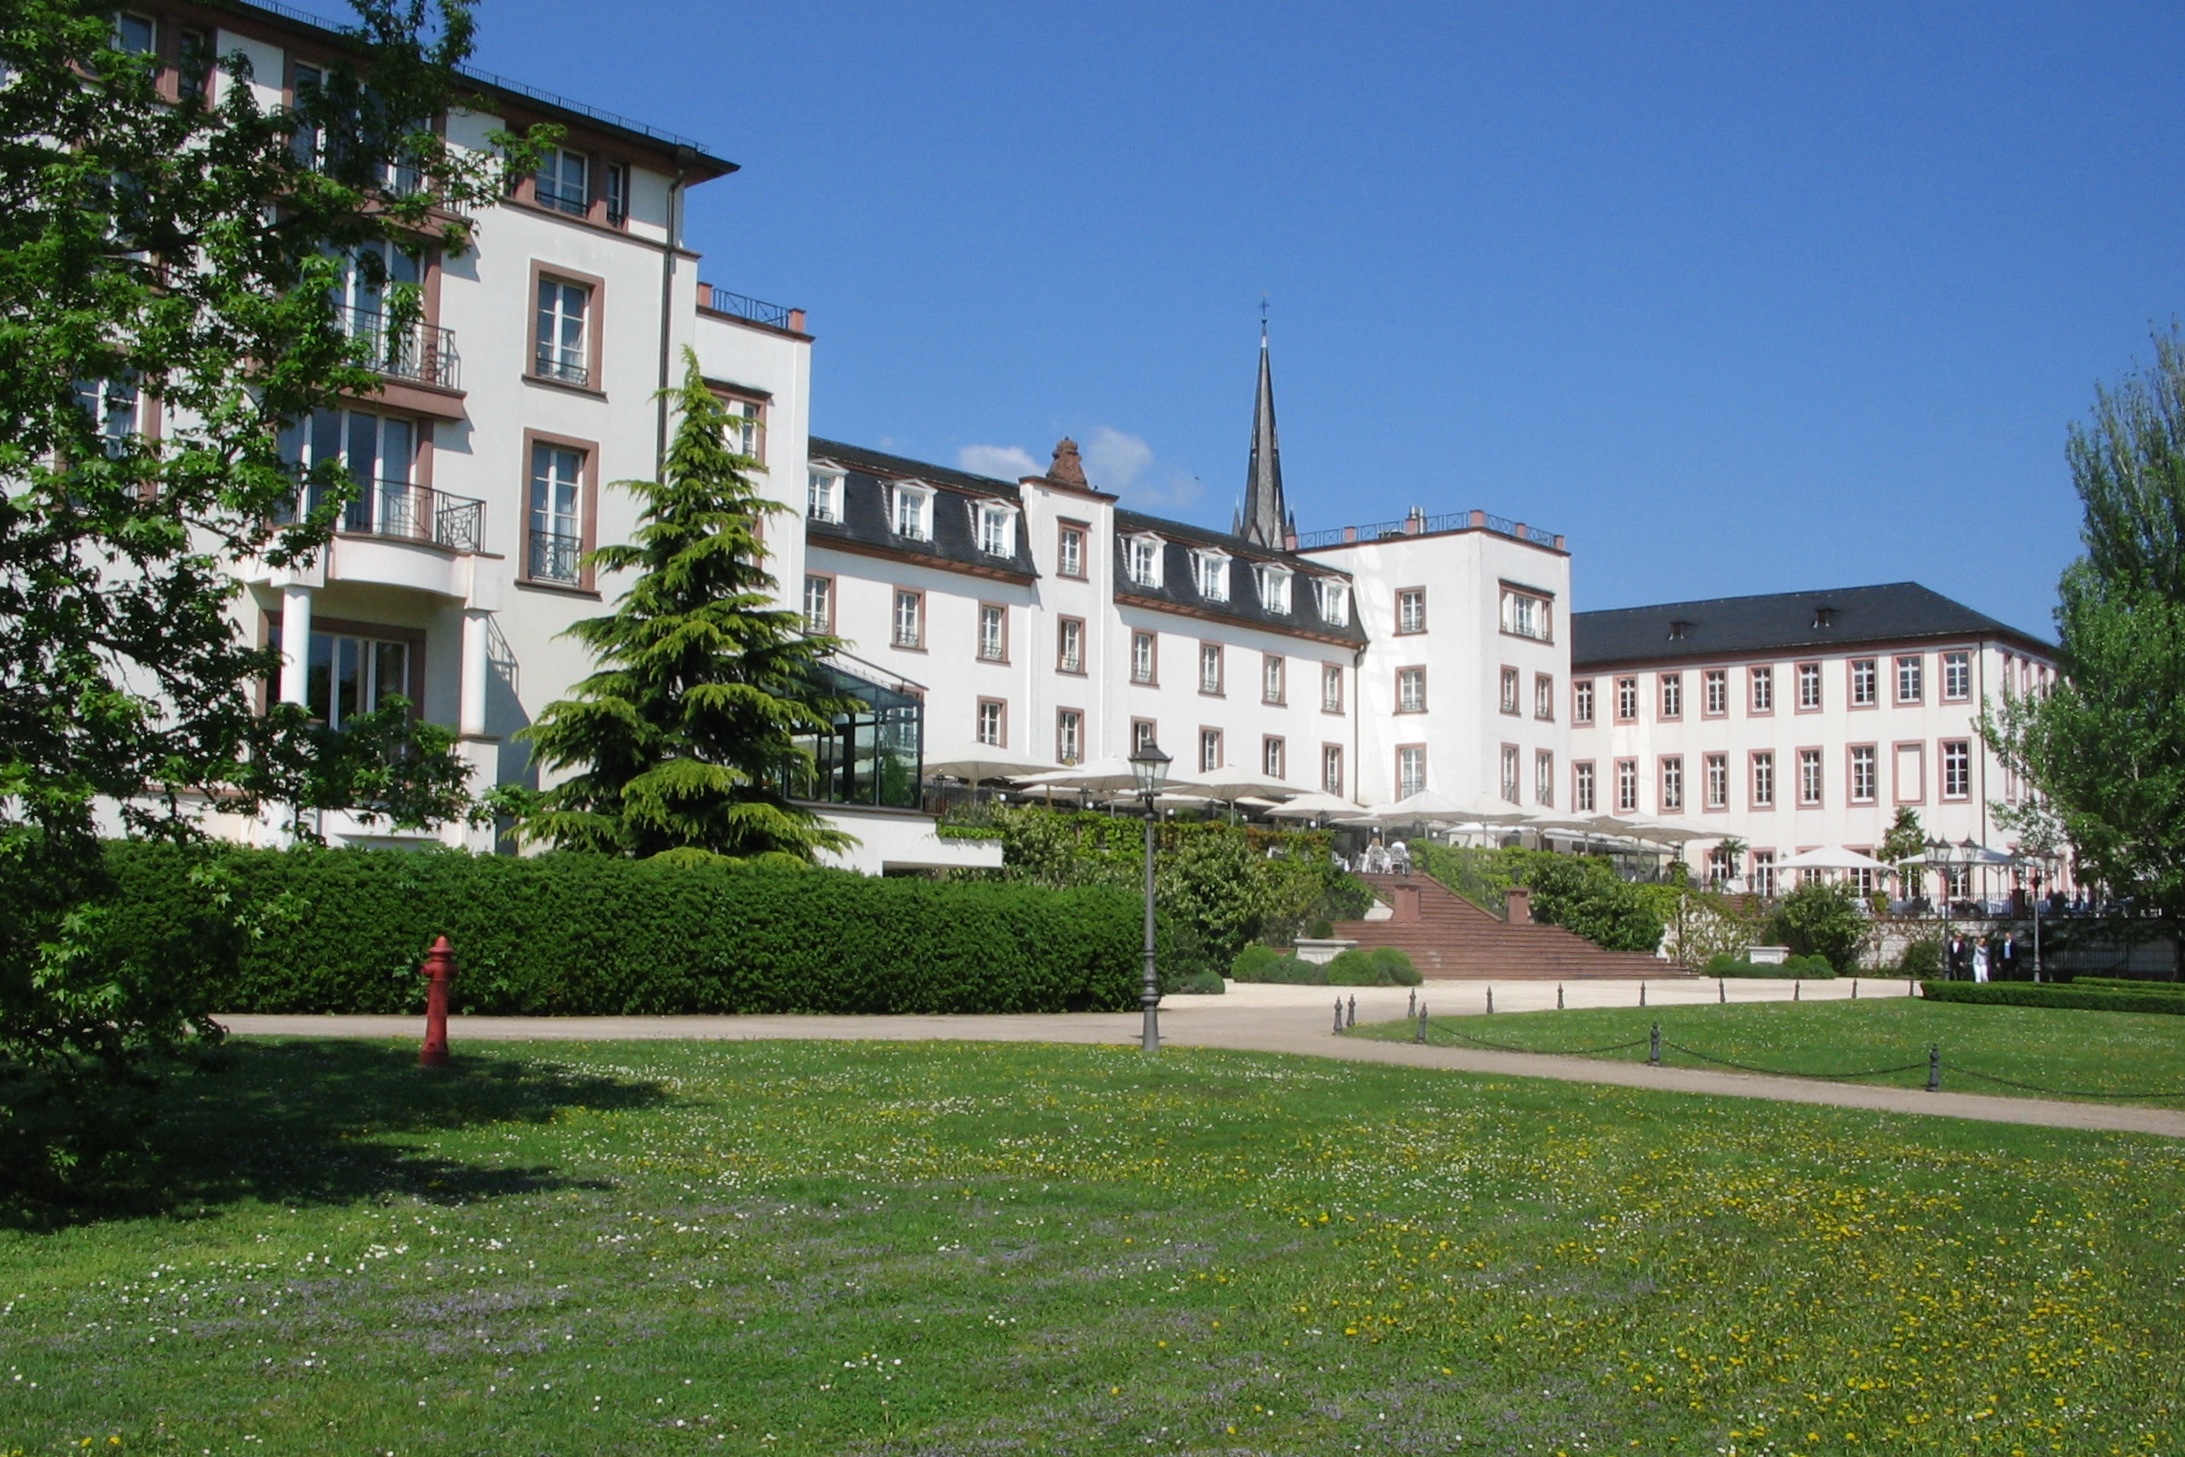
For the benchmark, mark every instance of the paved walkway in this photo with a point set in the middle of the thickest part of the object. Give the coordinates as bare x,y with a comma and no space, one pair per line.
1300,1020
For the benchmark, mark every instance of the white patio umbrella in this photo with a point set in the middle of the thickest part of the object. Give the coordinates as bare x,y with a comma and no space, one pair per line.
1233,783
1663,832
1101,776
1316,804
1832,857
974,762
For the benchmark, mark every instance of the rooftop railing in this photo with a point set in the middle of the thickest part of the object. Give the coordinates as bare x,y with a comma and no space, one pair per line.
757,311
1418,523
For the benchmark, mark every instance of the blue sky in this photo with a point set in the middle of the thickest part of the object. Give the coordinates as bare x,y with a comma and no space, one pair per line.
1739,298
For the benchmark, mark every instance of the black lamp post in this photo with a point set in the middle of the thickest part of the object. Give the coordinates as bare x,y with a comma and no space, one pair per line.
1149,766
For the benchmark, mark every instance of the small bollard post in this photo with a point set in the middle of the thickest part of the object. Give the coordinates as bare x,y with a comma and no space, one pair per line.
1654,1046
1490,1000
1352,1019
1797,986
1338,1014
1411,1003
1559,996
1721,993
1422,1024
1934,1067
438,970
1854,989
1642,993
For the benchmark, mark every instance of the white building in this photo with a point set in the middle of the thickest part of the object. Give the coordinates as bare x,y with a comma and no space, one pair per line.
1798,720
1040,618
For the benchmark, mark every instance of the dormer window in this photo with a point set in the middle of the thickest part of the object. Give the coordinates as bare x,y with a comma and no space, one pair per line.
996,528
1823,617
823,495
1142,560
1678,629
912,516
1274,588
1210,573
1333,599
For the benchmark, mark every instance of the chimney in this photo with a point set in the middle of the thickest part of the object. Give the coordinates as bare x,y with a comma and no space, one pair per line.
1067,469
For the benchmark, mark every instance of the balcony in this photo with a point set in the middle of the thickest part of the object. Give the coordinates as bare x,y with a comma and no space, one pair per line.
403,512
413,350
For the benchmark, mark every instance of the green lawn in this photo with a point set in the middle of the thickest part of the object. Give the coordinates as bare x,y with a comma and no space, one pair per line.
2132,1058
948,1248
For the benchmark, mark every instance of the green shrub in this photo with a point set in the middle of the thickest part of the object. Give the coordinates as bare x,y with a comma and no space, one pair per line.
1203,984
1278,969
574,934
1220,886
2130,984
2049,994
1584,895
1321,930
1922,958
1381,967
1799,968
1822,919
1397,967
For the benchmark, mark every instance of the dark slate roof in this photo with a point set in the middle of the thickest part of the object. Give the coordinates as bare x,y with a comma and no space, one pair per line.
1180,589
867,525
1780,622
899,467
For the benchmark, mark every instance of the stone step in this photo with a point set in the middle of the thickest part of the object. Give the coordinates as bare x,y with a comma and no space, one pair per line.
1452,938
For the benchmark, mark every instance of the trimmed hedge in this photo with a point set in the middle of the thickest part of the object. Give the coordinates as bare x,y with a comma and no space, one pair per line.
574,935
1804,968
2130,984
2049,994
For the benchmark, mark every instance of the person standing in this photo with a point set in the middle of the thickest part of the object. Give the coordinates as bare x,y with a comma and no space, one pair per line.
2006,958
1980,959
1957,960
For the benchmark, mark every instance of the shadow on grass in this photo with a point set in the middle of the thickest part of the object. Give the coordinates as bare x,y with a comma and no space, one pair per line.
333,1122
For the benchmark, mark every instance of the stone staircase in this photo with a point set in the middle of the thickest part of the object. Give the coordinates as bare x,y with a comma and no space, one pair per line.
1446,935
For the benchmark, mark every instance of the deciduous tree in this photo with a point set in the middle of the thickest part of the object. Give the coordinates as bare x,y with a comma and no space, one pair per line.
167,256
2104,750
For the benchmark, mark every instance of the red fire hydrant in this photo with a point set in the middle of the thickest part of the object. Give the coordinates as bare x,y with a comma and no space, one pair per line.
438,971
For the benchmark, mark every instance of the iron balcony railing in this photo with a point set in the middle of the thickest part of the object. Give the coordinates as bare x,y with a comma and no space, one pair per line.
404,512
418,513
556,364
556,558
758,311
411,350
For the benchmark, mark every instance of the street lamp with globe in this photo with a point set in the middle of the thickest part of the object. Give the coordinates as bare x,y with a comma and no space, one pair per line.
1149,767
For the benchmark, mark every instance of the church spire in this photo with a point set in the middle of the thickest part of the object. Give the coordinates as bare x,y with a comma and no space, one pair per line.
1264,519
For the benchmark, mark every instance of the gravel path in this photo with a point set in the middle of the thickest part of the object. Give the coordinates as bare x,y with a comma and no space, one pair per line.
1300,1020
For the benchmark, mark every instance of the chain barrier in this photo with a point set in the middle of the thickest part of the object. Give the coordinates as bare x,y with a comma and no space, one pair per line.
1965,1072
1544,1051
1956,1069
1775,1072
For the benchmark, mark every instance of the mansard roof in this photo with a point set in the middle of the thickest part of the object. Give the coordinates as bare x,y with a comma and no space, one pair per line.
1781,622
1179,587
868,527
901,467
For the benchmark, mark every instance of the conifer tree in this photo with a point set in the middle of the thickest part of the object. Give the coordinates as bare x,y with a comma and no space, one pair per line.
686,736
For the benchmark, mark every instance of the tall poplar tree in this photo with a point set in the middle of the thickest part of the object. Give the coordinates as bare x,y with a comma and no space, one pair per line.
2105,748
686,736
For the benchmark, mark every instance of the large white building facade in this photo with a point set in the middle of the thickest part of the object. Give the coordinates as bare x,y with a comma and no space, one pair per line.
1040,620
1798,720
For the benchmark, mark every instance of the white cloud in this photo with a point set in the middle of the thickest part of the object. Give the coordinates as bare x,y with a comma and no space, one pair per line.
1003,462
1123,463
